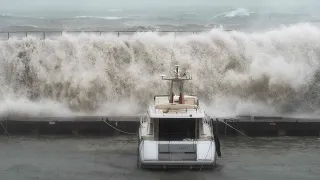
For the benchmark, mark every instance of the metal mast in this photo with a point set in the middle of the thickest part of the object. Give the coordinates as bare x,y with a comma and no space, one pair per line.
179,80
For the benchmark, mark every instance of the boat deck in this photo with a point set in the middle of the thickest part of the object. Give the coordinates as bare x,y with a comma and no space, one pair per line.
163,109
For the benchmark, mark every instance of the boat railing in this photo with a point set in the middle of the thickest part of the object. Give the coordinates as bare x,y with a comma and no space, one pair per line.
186,110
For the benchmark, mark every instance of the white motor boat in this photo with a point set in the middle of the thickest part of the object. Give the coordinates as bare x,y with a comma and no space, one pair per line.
175,132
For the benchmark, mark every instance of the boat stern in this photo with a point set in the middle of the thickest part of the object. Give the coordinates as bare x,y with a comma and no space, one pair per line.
177,154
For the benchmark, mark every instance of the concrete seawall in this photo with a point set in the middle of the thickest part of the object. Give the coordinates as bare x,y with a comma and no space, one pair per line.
68,125
270,126
252,126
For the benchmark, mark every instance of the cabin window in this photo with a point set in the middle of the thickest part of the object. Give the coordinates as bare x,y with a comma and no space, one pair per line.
176,129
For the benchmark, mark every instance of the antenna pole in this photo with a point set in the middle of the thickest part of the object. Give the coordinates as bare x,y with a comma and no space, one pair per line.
174,41
179,80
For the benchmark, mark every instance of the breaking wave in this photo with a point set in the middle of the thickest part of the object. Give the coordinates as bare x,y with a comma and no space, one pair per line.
100,17
8,15
240,12
270,73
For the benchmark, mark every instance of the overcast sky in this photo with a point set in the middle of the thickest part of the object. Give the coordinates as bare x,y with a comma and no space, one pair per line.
32,5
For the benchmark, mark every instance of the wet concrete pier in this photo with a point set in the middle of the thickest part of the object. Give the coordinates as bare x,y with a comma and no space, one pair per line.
97,126
270,126
92,125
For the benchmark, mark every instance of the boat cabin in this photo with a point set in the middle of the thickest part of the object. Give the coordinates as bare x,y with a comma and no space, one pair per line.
176,117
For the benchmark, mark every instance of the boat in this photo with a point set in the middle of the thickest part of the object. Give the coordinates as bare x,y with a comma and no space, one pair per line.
175,132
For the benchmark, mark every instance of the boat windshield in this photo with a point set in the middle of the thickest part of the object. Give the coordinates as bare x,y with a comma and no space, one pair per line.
177,129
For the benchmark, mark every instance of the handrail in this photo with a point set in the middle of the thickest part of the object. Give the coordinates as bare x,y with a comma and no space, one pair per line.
44,33
132,31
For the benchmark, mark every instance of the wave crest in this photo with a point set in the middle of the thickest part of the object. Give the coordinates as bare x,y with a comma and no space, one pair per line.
233,13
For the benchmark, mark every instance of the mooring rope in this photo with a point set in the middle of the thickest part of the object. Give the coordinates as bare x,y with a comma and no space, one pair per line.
4,129
234,128
118,129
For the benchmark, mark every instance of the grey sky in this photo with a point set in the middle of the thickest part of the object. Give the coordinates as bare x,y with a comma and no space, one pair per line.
33,5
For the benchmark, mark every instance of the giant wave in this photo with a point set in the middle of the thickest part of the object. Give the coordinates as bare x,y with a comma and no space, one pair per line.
269,73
